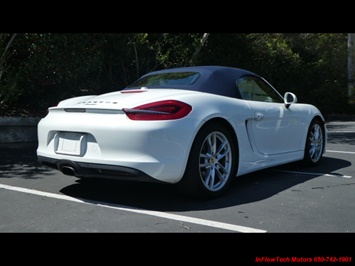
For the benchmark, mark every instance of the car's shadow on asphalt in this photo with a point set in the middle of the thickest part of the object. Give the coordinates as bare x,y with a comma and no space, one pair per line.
160,197
20,160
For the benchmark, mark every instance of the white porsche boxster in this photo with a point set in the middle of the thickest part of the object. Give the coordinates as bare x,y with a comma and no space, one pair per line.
193,127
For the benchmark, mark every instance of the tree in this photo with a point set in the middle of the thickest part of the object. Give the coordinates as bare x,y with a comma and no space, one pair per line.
37,70
7,80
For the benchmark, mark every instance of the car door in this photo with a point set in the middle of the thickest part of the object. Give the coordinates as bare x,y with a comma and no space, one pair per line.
274,128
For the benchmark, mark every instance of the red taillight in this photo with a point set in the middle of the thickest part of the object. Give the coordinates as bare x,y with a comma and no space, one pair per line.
163,110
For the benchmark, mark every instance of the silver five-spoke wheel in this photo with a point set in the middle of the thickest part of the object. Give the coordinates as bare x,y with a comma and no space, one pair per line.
215,161
212,163
315,143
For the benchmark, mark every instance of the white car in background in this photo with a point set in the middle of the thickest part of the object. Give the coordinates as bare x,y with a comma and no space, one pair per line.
193,127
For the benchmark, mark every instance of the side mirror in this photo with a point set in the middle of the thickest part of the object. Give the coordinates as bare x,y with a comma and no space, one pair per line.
289,98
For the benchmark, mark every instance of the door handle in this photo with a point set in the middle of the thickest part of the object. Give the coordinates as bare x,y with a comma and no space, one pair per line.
259,116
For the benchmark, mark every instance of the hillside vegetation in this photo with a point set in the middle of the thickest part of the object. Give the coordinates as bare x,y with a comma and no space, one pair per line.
37,70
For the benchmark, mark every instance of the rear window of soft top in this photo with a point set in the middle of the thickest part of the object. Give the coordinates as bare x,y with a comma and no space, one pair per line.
167,79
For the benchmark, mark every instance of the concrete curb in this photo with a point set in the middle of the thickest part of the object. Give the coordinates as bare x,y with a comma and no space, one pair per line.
18,129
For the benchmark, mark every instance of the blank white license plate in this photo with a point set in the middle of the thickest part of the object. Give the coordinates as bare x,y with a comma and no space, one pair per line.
70,143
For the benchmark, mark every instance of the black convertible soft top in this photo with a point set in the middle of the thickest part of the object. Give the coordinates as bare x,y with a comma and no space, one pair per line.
219,80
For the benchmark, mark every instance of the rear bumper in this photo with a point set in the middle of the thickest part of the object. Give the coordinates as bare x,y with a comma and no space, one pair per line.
108,145
92,170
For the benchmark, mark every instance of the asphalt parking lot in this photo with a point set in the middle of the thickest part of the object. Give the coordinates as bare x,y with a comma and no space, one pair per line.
287,199
306,213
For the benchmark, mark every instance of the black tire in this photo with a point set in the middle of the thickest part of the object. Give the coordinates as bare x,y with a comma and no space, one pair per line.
315,143
210,167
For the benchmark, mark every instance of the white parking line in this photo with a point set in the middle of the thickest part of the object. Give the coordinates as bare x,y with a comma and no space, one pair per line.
341,131
310,173
225,226
348,152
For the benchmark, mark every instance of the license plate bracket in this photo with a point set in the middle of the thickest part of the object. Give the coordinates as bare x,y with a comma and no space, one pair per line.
70,143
